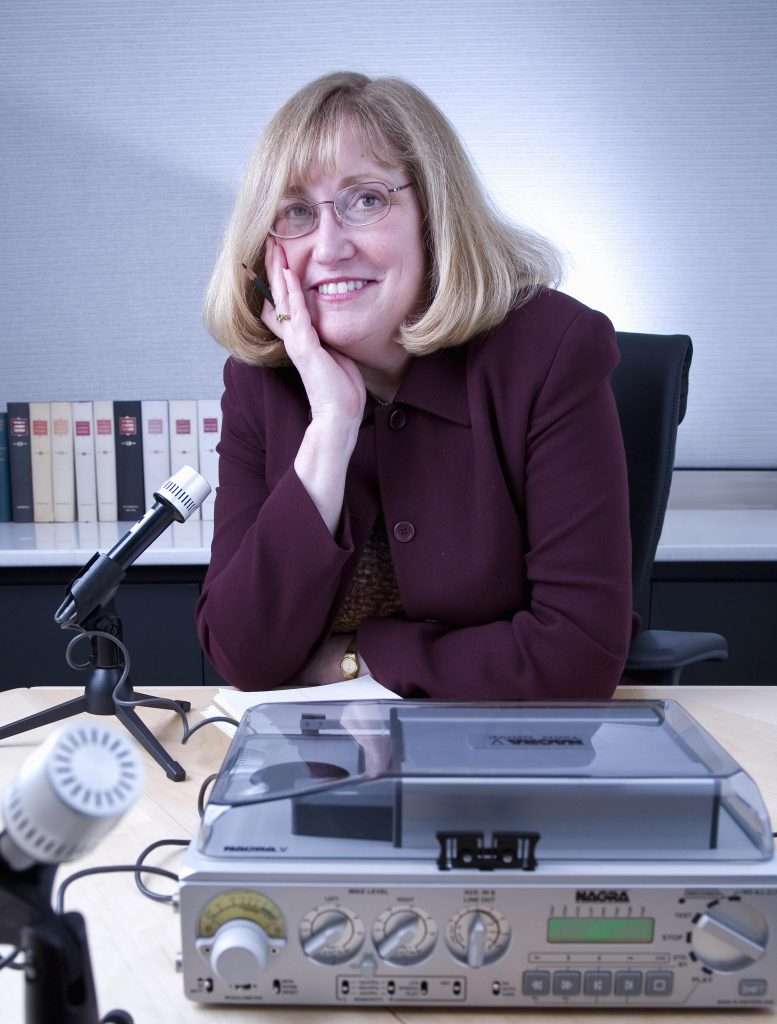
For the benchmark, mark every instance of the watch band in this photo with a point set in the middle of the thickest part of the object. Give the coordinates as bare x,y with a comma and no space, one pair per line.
349,663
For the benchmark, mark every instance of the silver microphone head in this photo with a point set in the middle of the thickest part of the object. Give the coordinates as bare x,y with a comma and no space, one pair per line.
69,794
184,492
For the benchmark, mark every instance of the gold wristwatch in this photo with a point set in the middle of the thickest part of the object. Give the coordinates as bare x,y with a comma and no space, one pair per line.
349,663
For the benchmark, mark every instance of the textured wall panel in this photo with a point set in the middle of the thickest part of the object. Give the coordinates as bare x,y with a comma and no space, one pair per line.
640,136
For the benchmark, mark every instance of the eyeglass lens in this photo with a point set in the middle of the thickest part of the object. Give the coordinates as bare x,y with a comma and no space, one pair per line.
355,205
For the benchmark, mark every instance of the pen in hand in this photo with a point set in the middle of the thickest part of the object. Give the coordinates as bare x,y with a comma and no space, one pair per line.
258,284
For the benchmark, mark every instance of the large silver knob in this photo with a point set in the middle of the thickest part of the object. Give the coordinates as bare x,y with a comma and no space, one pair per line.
730,935
239,952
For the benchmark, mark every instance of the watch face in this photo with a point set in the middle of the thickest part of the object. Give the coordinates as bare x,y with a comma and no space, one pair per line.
349,665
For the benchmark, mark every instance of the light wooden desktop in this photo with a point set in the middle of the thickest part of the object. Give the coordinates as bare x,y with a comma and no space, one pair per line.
134,941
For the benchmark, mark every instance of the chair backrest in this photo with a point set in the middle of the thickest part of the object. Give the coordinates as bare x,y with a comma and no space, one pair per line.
651,390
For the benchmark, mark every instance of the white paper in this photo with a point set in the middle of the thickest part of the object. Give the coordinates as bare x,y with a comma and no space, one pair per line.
232,702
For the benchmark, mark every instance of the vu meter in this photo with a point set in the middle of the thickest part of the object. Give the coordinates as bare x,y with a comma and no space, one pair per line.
239,930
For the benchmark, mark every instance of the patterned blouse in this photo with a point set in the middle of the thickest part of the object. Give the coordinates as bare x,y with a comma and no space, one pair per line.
373,591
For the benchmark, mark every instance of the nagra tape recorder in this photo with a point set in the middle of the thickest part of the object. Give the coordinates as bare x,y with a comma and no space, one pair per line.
457,855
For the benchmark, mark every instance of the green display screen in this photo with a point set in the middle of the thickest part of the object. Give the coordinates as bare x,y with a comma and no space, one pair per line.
601,929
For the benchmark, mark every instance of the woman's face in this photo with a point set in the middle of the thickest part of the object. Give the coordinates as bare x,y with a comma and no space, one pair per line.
382,264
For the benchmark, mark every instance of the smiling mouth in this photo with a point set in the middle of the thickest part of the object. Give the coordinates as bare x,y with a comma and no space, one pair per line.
340,287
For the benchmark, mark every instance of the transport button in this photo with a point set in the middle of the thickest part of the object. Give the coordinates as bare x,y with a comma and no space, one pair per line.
597,983
536,983
659,983
628,983
566,983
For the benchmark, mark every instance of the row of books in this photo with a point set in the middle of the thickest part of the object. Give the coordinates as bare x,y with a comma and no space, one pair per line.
86,461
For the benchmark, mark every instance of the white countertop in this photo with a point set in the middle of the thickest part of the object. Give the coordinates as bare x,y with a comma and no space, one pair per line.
720,516
713,516
73,544
718,535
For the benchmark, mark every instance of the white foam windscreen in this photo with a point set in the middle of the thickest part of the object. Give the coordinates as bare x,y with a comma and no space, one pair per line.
70,793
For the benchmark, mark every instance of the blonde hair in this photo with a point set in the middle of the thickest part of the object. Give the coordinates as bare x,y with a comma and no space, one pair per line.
479,265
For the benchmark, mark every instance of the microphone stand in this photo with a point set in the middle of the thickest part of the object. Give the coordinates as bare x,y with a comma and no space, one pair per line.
59,984
106,669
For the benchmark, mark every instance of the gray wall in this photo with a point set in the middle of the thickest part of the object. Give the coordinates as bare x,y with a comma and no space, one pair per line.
638,134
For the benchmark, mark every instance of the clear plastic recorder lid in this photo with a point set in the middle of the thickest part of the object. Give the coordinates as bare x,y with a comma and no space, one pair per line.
486,785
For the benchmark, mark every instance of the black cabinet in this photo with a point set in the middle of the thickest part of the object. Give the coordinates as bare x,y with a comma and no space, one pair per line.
736,599
156,608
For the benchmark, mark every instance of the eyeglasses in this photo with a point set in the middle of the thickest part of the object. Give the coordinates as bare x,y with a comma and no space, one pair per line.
356,205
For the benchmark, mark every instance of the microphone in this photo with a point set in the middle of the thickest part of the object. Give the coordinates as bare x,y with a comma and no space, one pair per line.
69,794
66,796
95,584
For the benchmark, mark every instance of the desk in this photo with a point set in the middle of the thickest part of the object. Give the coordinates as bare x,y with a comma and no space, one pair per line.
134,941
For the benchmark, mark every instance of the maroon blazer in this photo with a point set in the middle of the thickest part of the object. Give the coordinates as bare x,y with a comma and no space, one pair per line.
501,474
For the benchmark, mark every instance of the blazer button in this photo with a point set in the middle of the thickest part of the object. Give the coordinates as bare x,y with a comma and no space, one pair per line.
404,532
397,419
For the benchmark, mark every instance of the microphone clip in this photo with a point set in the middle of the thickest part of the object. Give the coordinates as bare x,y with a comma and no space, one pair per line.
90,589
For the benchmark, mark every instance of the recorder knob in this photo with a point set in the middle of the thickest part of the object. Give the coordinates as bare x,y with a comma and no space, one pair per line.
239,952
730,935
478,936
331,934
404,935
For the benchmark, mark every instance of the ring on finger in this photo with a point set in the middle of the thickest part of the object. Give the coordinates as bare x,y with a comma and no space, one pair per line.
280,317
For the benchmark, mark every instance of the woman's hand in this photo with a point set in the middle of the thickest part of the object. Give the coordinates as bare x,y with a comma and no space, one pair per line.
333,383
334,387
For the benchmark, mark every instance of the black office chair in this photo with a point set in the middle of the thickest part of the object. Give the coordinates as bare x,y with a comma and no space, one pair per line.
651,391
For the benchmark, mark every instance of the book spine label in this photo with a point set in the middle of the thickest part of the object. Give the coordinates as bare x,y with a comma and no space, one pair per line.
156,446
130,490
20,459
62,462
105,461
42,482
209,422
5,471
84,462
184,445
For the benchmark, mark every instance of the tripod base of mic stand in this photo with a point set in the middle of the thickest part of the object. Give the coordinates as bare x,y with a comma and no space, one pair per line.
98,699
131,721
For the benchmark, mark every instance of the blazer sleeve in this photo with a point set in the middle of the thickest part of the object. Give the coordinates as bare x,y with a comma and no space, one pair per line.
274,566
572,638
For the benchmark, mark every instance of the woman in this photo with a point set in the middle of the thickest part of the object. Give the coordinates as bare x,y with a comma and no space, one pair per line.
421,468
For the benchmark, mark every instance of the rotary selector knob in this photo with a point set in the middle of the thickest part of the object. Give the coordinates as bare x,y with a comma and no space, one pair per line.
477,936
404,935
729,935
239,951
238,929
331,934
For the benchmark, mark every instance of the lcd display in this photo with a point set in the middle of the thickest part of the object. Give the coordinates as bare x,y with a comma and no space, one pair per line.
601,929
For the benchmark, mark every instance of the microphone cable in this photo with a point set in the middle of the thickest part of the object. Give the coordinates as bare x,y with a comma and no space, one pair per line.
147,702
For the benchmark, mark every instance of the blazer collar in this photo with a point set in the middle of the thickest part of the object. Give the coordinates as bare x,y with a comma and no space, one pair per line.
437,383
